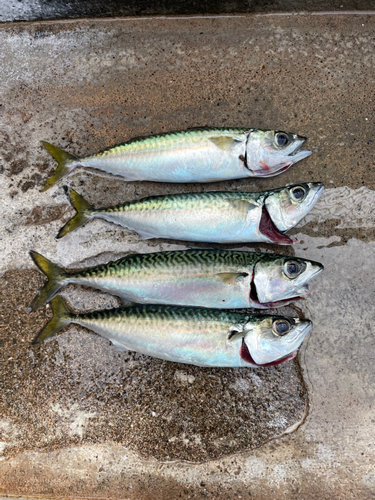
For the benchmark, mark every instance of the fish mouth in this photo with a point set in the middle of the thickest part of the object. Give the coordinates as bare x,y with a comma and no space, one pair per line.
304,291
319,268
318,192
298,153
275,171
318,188
268,229
246,356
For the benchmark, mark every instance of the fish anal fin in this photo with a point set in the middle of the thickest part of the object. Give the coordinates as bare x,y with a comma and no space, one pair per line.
224,143
129,303
118,347
145,235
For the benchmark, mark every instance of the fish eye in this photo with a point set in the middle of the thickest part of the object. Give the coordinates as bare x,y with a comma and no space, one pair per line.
298,193
281,139
280,327
292,268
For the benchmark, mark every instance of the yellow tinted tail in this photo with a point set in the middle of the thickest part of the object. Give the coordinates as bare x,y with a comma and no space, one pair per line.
56,278
61,318
84,210
64,166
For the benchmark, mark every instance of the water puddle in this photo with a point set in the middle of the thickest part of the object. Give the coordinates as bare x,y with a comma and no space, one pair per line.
351,208
338,356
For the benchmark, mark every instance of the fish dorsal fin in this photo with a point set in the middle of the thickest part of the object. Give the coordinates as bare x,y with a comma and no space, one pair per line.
224,143
231,278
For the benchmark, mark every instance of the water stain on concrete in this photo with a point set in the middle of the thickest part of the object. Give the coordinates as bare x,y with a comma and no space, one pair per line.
76,389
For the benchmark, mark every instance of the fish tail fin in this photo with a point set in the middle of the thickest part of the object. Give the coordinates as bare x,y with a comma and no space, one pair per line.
84,210
61,318
64,166
56,277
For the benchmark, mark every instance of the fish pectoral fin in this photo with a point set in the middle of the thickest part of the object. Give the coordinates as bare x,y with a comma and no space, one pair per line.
243,206
224,143
231,278
235,333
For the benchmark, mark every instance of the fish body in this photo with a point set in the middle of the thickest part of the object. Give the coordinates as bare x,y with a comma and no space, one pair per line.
208,278
193,155
192,217
203,337
215,217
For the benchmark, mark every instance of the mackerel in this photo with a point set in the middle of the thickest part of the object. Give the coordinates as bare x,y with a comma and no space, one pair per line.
203,337
217,217
209,278
193,155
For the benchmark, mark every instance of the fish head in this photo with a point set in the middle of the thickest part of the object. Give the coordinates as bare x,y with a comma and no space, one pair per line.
277,278
270,152
273,339
287,206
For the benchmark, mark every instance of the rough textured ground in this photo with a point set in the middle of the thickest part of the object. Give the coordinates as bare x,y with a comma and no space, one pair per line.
27,10
90,84
78,389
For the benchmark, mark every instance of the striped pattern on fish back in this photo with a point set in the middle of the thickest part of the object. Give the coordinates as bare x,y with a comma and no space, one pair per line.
189,259
170,140
183,201
155,314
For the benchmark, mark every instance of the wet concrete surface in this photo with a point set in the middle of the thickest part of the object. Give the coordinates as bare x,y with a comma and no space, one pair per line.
28,10
78,389
68,407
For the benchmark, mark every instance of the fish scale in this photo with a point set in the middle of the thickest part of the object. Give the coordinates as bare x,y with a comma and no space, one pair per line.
163,328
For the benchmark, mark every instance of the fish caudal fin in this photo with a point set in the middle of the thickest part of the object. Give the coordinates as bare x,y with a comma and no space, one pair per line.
56,277
61,318
64,166
84,210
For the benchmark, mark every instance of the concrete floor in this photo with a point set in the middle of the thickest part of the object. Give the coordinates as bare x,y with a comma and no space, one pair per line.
31,10
79,420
